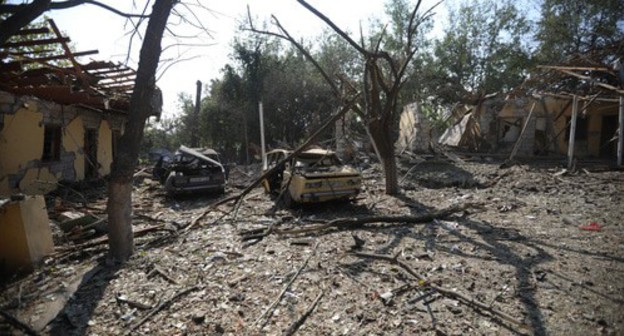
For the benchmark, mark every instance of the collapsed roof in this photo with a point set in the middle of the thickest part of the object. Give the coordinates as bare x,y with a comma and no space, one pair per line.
39,62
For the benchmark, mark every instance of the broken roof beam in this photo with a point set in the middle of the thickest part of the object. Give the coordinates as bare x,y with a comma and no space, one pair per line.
110,85
120,74
77,68
572,68
55,57
118,87
110,70
33,31
593,81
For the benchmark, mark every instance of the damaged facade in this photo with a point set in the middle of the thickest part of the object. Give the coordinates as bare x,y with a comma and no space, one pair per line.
43,142
495,125
59,118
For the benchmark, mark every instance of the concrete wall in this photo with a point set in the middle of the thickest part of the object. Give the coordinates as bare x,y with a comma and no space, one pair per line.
23,121
415,130
25,235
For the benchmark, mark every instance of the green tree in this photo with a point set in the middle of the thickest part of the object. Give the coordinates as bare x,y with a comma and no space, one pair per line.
571,28
484,49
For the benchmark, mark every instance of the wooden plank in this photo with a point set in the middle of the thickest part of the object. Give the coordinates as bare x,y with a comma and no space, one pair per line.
558,67
522,132
572,132
587,78
620,147
120,75
55,57
43,30
84,81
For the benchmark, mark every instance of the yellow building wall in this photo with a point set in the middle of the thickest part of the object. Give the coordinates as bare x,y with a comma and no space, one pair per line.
105,148
21,149
73,140
25,235
21,141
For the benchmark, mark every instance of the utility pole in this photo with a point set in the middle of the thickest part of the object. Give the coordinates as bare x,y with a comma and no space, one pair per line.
262,143
620,147
572,137
195,126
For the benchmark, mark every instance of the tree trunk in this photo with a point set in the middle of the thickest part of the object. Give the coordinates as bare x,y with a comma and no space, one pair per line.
25,15
382,136
120,186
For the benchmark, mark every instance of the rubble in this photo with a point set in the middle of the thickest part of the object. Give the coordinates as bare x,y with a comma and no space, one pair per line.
509,259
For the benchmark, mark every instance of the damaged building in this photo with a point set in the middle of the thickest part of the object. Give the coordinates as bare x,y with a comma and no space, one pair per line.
574,124
59,118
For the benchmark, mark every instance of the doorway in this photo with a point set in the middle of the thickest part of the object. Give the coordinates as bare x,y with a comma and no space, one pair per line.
608,142
90,153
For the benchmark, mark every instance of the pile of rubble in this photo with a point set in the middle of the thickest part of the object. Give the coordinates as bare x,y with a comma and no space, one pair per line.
468,248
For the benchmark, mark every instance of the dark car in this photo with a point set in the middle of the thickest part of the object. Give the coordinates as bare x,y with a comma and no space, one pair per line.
191,171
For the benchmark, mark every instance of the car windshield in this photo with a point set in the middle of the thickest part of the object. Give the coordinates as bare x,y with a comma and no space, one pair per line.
316,161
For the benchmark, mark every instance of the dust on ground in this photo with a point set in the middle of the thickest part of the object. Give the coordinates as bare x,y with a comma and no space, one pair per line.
520,252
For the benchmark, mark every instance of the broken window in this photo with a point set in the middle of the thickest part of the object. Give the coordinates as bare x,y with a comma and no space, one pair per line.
51,143
509,129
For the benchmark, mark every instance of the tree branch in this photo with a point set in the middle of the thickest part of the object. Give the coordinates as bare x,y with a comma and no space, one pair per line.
334,27
74,3
446,292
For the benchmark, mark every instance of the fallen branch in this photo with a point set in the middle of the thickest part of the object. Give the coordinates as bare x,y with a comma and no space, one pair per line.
161,307
446,292
159,271
104,240
261,234
299,322
342,223
17,323
264,318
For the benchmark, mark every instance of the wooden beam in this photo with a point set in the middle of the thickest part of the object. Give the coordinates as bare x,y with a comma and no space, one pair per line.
587,78
572,137
84,81
557,67
120,75
56,57
521,136
620,147
33,31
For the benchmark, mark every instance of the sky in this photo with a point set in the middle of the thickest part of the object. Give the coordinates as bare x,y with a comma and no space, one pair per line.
197,54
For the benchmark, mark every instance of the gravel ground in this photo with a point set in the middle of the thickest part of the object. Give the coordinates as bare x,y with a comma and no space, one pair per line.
518,250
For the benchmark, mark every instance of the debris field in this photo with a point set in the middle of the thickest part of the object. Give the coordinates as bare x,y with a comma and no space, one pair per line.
468,248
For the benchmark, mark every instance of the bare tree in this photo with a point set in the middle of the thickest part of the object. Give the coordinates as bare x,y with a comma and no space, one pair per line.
383,78
120,185
21,15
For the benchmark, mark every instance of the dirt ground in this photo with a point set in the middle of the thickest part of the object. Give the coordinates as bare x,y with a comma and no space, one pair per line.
518,250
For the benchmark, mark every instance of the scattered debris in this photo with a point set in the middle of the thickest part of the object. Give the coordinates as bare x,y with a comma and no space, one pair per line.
506,257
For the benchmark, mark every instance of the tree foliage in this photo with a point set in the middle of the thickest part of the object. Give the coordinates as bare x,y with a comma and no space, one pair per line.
483,50
592,29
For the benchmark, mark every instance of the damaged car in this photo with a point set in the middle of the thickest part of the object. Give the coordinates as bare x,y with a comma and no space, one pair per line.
192,170
314,175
